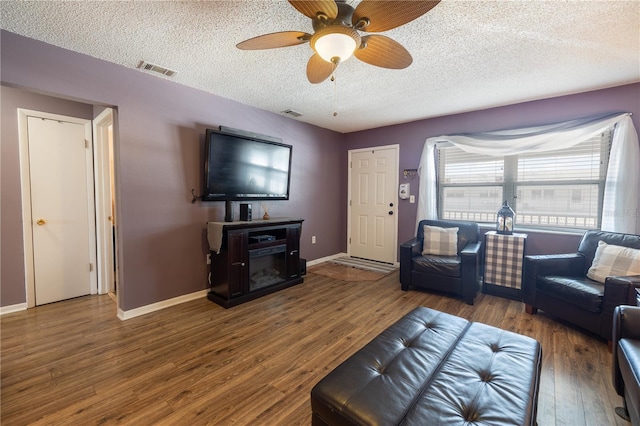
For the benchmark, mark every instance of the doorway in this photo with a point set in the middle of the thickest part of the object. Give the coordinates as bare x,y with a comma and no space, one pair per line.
372,224
103,131
58,206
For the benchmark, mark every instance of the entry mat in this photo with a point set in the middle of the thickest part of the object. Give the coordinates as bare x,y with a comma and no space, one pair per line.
368,265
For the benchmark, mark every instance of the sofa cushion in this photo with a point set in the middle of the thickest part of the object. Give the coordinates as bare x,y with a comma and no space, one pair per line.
579,291
612,260
468,232
449,266
390,371
440,241
590,239
489,378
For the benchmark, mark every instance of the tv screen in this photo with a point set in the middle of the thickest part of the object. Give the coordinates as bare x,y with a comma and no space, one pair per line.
239,167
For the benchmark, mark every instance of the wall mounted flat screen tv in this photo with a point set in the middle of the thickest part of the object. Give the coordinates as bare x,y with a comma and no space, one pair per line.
244,167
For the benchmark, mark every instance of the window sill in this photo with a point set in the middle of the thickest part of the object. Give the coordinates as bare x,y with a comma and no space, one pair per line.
484,227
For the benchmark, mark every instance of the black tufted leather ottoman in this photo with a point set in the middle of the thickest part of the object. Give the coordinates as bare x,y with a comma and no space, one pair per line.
432,368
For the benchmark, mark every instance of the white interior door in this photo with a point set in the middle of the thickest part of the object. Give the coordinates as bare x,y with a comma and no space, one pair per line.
61,217
373,205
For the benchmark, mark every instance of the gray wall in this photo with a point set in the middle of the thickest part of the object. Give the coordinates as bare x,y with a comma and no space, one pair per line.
159,156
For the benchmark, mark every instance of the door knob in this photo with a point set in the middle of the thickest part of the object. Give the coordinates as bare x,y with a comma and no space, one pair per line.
41,222
391,212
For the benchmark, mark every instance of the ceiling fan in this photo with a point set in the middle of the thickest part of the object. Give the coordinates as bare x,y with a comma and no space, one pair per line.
337,36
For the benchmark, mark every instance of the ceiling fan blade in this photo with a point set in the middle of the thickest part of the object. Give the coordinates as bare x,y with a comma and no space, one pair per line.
314,8
384,15
318,70
384,52
273,40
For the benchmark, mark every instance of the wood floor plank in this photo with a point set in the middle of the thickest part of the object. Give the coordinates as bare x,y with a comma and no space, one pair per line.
50,400
91,410
543,329
75,362
595,378
570,408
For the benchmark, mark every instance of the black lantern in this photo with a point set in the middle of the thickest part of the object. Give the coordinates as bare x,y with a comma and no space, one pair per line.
504,221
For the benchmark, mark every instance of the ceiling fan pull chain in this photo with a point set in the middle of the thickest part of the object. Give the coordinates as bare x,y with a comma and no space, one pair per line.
335,107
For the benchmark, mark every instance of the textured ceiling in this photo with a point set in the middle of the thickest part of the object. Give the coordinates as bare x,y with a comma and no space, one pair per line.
467,55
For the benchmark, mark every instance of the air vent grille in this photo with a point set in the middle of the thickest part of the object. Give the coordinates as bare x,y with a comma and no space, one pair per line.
156,68
292,113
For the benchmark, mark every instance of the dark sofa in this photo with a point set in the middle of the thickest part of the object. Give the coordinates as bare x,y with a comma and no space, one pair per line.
457,275
626,360
558,284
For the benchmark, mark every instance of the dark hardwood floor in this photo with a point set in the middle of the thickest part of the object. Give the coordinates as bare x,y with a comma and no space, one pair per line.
76,363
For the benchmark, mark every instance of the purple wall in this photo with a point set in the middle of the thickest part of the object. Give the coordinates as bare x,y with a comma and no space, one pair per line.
159,150
411,137
12,260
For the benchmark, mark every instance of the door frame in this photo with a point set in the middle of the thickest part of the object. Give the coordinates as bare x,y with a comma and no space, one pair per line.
396,178
25,184
103,198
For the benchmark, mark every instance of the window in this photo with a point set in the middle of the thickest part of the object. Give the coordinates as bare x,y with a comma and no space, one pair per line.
557,189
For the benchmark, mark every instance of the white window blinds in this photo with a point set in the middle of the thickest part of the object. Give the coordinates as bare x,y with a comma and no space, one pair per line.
554,189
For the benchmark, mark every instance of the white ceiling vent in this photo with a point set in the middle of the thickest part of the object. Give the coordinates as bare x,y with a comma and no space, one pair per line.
156,68
291,112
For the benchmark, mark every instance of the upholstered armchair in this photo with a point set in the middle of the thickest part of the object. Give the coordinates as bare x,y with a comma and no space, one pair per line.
626,361
442,258
584,288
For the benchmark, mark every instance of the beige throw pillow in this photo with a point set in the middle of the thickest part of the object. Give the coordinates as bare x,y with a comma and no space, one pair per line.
611,261
440,241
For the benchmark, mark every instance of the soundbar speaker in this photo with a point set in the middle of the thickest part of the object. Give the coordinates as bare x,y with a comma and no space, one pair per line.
245,212
228,211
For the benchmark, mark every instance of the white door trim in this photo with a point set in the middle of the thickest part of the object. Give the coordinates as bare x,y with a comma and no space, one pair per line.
104,240
25,183
396,147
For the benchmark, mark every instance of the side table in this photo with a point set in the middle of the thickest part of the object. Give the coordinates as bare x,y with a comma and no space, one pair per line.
504,256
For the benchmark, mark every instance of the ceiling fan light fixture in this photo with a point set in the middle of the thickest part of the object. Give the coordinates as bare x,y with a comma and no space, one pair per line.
335,43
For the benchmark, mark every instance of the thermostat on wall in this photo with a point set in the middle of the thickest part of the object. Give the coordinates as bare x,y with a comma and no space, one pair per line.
404,191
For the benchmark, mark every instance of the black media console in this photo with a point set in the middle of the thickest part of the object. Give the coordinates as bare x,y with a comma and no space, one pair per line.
254,259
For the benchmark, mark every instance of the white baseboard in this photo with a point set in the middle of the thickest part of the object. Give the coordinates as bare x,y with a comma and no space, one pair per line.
125,315
142,310
325,259
13,308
